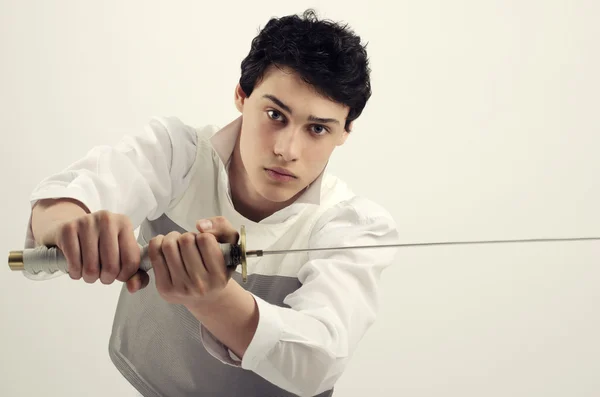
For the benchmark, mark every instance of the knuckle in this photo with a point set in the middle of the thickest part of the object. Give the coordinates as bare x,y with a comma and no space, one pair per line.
187,239
124,221
157,240
74,271
110,268
90,271
68,230
205,238
83,228
91,265
221,221
85,225
154,246
126,273
173,235
169,245
170,239
85,220
104,218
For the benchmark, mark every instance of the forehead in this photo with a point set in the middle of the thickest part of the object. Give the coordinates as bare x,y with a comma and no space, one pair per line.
288,86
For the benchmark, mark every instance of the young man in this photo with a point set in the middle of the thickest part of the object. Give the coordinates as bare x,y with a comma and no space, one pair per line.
189,327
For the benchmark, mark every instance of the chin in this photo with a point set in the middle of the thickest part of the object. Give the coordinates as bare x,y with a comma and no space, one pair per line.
273,191
276,194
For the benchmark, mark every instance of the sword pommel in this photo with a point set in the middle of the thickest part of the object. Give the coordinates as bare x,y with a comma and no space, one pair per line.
15,260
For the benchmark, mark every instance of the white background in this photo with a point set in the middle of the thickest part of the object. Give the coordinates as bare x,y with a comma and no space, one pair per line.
484,124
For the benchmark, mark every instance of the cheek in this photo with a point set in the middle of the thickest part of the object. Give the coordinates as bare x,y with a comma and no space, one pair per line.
263,137
256,143
316,157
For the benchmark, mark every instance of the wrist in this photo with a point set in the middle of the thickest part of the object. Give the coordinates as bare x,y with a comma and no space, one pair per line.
48,214
232,317
215,303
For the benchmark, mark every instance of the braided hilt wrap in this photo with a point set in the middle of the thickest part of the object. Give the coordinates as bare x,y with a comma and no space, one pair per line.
52,260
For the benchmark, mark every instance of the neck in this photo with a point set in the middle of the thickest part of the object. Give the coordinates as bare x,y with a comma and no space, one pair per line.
246,200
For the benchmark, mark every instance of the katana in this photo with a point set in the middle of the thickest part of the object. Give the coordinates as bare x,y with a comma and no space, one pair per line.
51,259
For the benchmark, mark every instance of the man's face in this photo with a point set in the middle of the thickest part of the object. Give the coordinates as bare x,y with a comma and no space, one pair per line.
288,134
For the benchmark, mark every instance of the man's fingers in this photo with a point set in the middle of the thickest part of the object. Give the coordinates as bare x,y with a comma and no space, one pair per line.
219,227
88,242
110,261
192,258
173,260
130,255
138,281
161,270
68,242
212,256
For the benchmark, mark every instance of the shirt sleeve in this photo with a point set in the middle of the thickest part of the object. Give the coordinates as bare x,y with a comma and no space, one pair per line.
305,348
137,177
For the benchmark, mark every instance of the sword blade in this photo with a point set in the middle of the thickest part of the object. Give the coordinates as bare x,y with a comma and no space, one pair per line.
405,245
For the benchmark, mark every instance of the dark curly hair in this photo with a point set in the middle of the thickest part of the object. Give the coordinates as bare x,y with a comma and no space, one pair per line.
325,54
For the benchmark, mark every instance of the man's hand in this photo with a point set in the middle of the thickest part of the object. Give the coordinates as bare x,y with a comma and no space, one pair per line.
98,246
189,267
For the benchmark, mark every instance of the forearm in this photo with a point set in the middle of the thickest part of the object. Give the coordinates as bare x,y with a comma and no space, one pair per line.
304,344
232,318
301,351
47,214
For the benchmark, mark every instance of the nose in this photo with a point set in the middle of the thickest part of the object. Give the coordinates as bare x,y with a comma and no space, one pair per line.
288,144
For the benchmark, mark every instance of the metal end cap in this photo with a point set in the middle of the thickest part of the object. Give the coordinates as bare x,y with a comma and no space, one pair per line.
15,260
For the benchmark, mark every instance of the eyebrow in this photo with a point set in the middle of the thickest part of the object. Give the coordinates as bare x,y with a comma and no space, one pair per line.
285,107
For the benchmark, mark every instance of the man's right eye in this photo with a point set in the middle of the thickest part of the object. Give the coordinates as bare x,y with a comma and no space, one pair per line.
274,115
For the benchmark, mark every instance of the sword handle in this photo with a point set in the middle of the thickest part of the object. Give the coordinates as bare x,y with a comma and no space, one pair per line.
52,259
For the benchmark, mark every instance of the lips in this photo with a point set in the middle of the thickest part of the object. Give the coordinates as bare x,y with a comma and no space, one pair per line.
282,171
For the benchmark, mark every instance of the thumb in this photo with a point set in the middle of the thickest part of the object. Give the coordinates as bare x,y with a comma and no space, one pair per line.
138,281
219,227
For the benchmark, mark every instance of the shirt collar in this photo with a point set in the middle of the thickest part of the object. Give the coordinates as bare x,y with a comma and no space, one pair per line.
223,142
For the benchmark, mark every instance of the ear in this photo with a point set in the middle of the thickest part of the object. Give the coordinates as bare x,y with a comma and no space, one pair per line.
239,97
345,134
351,126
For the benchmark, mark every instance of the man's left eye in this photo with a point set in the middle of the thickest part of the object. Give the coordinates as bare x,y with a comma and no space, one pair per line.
319,129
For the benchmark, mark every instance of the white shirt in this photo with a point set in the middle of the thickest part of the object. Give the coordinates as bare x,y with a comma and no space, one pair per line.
143,174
